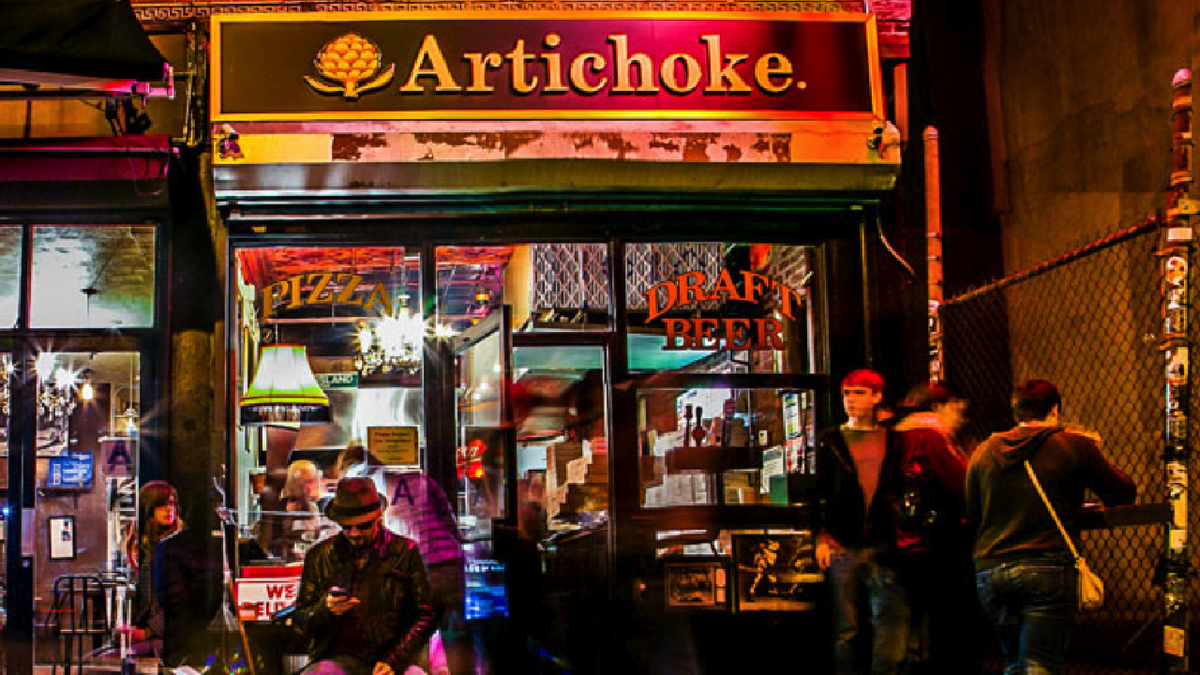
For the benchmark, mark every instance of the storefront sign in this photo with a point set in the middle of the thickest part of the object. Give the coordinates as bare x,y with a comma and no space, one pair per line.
393,445
262,591
324,288
337,380
736,334
537,65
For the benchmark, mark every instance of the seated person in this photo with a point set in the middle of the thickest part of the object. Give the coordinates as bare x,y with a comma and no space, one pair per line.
158,518
290,532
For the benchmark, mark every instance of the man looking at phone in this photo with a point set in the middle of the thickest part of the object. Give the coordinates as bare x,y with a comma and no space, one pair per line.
364,599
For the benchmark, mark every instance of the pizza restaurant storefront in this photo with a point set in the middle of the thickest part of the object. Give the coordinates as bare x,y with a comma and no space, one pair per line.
588,272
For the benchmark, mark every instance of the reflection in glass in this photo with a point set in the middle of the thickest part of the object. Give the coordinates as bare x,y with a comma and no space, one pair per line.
559,411
550,287
481,436
90,277
10,274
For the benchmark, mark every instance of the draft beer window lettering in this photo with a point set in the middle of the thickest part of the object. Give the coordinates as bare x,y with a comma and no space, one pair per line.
736,334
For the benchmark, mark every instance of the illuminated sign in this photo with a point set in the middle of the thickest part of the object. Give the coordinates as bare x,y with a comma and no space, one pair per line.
323,288
735,334
532,65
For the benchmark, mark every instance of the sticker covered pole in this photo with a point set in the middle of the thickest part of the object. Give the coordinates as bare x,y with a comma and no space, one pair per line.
1175,255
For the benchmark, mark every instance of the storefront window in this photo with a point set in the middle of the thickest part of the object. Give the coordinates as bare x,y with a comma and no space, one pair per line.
10,274
356,313
92,277
722,446
550,287
719,307
89,422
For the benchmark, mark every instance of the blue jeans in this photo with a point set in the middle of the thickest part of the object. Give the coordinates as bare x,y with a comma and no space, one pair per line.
857,575
1031,604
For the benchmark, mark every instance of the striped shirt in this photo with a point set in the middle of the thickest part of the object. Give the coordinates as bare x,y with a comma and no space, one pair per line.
419,510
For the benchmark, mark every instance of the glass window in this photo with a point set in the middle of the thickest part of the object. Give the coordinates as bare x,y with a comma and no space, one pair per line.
10,275
356,311
92,277
559,411
550,287
89,420
719,307
481,439
714,446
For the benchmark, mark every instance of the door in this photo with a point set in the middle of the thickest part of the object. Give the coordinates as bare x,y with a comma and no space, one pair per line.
484,454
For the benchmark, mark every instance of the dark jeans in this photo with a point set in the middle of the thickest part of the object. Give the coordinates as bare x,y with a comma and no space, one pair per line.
1031,604
857,575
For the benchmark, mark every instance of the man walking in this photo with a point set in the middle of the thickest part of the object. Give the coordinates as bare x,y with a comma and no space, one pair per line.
1025,573
857,467
364,597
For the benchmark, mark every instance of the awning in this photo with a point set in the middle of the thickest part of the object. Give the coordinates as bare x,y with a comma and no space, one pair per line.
95,44
96,175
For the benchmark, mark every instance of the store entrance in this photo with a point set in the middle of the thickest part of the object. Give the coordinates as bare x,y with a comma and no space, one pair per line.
531,428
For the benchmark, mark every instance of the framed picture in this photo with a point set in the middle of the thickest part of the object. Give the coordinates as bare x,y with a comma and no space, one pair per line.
62,537
775,572
696,582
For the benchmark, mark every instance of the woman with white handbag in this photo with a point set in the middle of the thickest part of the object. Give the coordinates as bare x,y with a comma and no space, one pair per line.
1024,498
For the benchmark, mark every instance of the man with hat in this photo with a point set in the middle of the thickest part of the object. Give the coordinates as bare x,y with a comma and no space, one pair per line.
364,598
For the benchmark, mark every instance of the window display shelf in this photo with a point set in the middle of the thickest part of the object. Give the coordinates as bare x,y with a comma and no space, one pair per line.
714,458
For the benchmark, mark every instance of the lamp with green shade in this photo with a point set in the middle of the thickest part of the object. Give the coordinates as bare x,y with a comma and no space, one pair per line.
284,390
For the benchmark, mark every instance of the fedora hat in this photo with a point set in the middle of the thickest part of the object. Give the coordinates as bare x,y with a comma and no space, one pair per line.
354,497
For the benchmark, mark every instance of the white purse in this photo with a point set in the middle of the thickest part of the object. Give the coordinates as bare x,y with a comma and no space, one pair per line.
1091,587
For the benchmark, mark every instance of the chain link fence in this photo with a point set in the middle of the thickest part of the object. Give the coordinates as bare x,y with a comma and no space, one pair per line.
1089,322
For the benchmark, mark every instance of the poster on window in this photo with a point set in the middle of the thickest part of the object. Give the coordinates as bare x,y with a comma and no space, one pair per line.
775,572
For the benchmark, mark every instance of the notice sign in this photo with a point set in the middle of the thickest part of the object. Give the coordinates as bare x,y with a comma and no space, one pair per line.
337,380
393,445
263,591
72,472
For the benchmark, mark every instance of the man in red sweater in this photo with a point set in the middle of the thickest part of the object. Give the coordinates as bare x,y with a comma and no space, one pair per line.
857,469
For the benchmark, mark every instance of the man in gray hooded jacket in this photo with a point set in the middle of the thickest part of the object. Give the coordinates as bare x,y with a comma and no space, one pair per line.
1026,577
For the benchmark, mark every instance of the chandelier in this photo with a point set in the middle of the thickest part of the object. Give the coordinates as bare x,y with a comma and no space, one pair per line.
56,387
393,344
7,370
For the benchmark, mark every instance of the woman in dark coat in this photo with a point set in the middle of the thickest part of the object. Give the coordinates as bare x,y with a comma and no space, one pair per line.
158,518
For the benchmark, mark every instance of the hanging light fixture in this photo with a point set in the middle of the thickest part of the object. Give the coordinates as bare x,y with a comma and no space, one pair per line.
87,392
56,387
483,296
284,390
7,370
395,343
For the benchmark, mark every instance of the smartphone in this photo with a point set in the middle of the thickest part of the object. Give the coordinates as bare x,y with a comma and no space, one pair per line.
338,592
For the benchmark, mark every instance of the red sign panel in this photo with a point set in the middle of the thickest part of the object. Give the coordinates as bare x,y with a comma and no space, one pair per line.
460,65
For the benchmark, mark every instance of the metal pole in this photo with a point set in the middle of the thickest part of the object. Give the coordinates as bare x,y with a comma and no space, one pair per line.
1176,258
933,248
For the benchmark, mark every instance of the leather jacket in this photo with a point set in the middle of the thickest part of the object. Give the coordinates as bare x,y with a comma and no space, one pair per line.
396,617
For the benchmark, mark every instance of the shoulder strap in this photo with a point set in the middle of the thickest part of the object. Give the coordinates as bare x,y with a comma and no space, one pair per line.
1046,501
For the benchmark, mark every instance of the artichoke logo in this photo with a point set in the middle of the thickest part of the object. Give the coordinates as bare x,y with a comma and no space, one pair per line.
352,61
